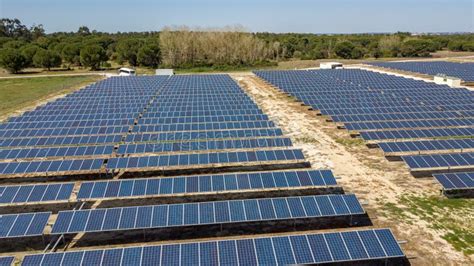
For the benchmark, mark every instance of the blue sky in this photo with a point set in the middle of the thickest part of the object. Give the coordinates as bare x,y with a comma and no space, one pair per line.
316,16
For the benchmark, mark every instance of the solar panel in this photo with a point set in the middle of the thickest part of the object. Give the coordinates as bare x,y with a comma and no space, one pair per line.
348,246
204,145
218,212
427,146
463,71
456,181
205,184
6,261
35,193
23,224
204,159
57,166
440,161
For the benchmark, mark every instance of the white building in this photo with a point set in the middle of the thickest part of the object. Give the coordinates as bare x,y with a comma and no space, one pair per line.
331,65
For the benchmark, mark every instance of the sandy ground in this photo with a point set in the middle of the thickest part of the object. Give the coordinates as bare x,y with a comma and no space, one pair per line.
361,170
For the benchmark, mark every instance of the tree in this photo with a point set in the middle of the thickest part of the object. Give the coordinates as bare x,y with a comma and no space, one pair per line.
149,55
14,29
12,60
127,50
83,30
390,45
344,49
46,59
37,31
29,51
92,56
71,54
416,47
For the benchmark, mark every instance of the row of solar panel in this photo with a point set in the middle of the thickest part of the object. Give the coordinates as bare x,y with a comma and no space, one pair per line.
201,135
356,246
203,126
200,108
66,124
417,133
343,105
52,132
6,261
60,141
390,109
453,122
452,160
51,166
455,181
96,110
205,184
204,113
216,212
149,161
23,224
202,119
427,145
401,116
204,145
204,159
463,71
74,117
35,193
71,151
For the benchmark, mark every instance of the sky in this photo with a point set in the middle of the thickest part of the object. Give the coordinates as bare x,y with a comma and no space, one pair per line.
306,16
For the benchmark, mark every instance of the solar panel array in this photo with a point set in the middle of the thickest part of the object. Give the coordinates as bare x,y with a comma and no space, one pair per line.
464,71
454,181
197,122
277,250
240,182
23,224
205,213
430,126
35,193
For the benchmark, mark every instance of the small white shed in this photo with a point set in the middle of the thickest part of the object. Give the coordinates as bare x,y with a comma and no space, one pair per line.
330,65
164,72
447,80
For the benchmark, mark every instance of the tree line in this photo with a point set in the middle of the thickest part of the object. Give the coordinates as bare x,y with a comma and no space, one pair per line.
182,47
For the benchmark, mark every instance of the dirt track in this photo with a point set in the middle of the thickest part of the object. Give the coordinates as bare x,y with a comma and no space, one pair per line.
362,171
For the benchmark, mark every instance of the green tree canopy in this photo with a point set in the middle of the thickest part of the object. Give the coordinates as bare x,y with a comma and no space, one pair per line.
12,60
92,56
344,49
149,55
127,50
46,59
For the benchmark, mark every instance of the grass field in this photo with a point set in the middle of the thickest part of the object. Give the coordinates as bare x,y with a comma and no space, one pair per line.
437,212
21,92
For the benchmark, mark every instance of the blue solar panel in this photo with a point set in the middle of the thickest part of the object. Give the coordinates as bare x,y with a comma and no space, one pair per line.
456,181
23,224
204,159
206,184
35,193
6,261
160,216
440,161
427,145
349,246
464,71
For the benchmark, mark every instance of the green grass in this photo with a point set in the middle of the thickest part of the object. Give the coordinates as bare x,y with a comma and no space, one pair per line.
20,92
352,142
453,218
